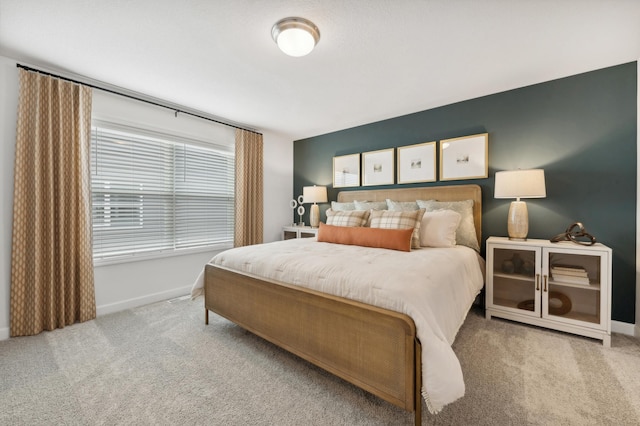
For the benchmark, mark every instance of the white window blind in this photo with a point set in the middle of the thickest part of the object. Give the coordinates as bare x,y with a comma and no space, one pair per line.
155,195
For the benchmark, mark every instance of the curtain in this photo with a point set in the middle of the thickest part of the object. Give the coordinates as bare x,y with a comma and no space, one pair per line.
51,259
248,188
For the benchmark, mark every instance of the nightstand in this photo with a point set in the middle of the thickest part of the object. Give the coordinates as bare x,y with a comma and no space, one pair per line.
290,232
563,286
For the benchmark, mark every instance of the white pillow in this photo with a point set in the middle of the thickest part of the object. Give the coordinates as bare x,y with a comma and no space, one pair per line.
466,232
438,229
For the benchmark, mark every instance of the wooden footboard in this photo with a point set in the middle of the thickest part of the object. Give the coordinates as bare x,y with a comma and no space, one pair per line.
373,348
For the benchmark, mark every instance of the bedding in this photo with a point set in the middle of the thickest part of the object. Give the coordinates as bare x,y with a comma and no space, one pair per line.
434,286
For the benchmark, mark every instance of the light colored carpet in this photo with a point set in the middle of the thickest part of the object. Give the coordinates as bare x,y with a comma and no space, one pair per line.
159,364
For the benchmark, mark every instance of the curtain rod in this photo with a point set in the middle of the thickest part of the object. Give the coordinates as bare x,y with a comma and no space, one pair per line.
104,89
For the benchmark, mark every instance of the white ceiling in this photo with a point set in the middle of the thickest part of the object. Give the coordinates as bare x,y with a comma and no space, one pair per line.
376,59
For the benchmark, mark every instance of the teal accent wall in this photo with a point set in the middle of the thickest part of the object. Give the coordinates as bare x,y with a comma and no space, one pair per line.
581,130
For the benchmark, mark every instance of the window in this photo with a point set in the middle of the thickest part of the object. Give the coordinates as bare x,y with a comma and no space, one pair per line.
153,193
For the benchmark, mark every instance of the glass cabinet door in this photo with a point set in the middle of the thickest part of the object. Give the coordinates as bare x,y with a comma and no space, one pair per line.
516,278
572,286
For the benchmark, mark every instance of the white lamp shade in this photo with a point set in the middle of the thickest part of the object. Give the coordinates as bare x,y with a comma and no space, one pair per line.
314,194
520,184
295,36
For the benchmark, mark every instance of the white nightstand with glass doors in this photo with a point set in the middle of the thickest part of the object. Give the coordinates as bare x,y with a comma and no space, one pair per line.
562,286
290,232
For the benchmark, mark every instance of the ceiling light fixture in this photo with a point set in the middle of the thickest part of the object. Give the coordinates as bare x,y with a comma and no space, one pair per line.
295,36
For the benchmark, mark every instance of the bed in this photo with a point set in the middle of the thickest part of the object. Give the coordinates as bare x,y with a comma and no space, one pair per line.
377,348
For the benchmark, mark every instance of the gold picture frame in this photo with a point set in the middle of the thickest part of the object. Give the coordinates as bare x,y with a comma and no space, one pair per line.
346,171
378,167
464,157
417,163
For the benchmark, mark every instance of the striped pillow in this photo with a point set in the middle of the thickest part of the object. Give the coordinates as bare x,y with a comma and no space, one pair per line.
347,218
399,220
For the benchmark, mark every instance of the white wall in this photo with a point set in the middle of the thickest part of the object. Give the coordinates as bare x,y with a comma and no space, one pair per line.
8,115
124,285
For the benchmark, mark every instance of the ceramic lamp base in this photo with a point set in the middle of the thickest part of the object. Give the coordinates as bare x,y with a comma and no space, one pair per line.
518,221
314,216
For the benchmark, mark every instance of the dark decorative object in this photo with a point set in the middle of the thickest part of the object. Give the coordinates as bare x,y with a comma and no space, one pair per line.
577,234
528,268
508,267
517,263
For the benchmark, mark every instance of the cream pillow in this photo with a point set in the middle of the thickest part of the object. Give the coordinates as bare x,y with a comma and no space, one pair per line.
399,220
347,218
438,228
466,232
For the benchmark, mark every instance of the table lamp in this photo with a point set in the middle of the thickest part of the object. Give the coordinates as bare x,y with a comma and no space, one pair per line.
314,194
519,184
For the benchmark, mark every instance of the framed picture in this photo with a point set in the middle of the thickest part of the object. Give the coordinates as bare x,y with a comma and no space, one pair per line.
346,171
378,167
417,163
465,157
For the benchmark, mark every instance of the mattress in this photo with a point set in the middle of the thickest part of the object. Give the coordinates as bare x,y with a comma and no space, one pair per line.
434,286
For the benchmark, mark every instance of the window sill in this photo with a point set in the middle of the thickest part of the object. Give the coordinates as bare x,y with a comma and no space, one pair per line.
141,257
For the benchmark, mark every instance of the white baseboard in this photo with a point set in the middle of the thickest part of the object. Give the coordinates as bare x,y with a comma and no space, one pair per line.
144,300
624,328
127,304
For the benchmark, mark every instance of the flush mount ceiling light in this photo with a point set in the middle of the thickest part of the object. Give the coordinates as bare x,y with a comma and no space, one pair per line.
295,36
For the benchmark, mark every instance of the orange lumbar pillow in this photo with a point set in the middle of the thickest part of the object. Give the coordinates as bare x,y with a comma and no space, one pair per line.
394,239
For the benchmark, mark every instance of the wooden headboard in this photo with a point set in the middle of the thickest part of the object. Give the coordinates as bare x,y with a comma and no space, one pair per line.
440,193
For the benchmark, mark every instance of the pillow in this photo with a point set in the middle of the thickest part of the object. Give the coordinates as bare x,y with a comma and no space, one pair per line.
394,239
399,220
347,218
341,207
370,205
466,232
402,206
438,229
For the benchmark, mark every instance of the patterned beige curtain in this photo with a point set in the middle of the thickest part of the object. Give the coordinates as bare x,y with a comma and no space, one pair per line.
51,261
249,210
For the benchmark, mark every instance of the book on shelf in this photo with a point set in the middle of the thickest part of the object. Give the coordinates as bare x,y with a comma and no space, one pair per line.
570,279
577,271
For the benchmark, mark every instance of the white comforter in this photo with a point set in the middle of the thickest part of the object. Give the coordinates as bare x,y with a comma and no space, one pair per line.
435,287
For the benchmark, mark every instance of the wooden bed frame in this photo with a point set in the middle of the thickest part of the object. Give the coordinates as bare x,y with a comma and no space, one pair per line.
373,348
